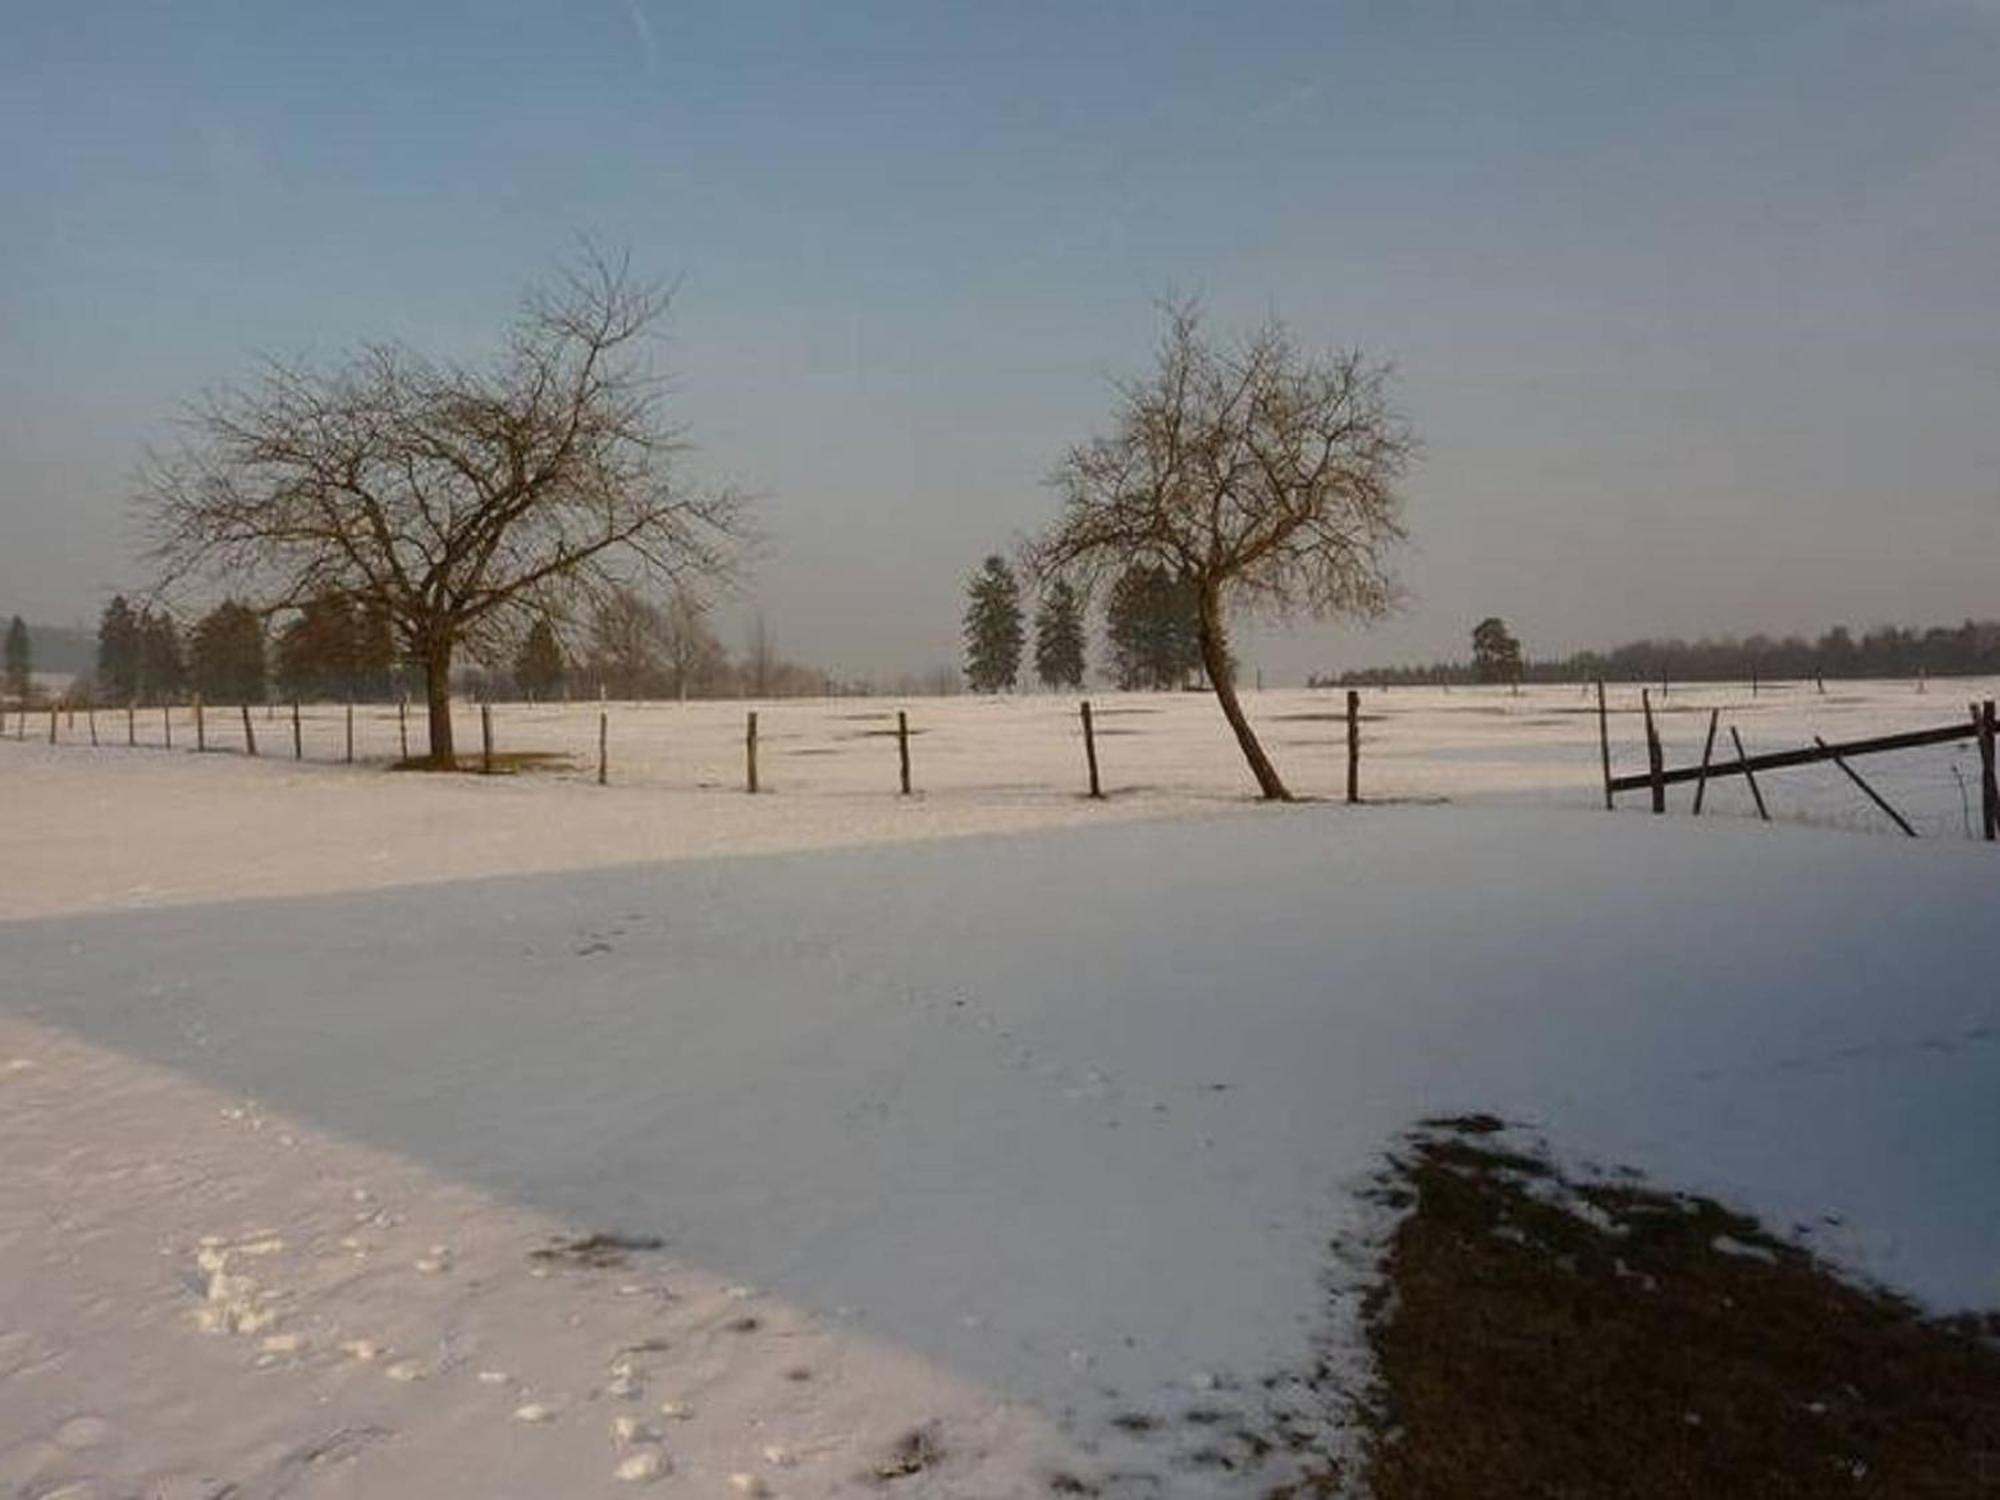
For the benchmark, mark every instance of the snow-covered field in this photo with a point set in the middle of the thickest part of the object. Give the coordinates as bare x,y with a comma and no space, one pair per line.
993,764
999,1138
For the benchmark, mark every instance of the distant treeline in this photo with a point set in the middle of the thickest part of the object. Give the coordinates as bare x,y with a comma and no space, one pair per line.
1968,650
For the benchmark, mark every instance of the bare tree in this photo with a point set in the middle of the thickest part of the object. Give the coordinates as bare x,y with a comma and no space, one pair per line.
694,657
627,645
463,502
1262,477
760,660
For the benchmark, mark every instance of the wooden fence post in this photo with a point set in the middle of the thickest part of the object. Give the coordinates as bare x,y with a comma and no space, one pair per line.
131,724
1090,751
403,727
603,746
1655,762
90,714
249,734
750,754
1756,794
903,747
1354,746
1604,742
200,726
52,723
349,755
486,739
167,722
298,734
1989,790
1707,748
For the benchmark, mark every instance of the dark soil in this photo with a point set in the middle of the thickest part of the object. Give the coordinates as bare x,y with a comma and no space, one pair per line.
1536,1335
597,1252
505,763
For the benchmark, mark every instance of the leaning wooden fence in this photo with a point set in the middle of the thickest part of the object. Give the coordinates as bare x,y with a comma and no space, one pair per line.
1657,777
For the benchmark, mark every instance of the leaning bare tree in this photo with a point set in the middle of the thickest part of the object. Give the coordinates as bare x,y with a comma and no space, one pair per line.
1262,476
463,502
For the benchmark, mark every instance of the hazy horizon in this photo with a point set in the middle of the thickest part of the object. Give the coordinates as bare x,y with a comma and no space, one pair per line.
1697,320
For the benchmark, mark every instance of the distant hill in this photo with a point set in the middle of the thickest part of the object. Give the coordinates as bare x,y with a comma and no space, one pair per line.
59,648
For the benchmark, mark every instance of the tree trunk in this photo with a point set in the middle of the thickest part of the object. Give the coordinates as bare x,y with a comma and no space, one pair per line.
1215,659
437,705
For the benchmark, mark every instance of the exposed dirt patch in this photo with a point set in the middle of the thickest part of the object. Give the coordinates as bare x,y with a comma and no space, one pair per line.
505,763
1535,1334
915,1451
597,1252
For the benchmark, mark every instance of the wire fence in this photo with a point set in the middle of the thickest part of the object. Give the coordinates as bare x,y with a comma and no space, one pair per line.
1537,744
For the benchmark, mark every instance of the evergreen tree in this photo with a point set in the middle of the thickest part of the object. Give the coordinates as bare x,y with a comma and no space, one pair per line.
315,653
1496,655
20,662
162,668
227,654
374,653
1059,637
538,665
993,634
118,651
1153,623
336,650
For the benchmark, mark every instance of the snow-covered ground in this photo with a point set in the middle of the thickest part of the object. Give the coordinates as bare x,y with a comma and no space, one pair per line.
1000,1138
1417,742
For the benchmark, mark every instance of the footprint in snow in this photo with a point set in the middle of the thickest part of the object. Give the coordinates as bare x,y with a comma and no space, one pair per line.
643,1467
626,1431
81,1433
625,1382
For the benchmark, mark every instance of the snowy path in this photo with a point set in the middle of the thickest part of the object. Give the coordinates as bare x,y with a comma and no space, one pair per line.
1014,1134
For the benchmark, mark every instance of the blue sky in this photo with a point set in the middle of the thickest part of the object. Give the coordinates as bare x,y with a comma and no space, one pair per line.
1697,306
